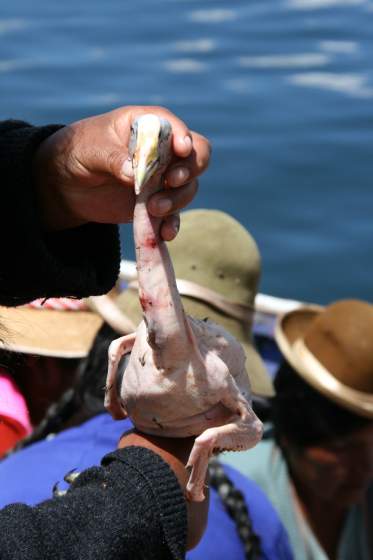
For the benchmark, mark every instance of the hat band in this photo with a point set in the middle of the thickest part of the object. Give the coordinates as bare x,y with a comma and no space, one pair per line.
235,310
327,383
58,304
111,314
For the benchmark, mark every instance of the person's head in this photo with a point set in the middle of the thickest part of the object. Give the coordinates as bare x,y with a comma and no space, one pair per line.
39,353
84,398
323,409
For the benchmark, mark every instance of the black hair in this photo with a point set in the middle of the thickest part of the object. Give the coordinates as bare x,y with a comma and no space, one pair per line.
10,361
82,401
234,502
304,416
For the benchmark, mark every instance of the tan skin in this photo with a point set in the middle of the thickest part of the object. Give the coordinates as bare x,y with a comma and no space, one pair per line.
82,174
329,479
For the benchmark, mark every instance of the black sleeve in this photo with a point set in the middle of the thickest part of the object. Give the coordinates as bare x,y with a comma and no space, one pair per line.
130,508
78,262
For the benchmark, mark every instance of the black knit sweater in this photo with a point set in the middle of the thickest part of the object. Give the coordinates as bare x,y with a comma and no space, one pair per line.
132,507
78,262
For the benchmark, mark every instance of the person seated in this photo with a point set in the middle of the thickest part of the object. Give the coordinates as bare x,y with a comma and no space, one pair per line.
316,465
39,360
241,522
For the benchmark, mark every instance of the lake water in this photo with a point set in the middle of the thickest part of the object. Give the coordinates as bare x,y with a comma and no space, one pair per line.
283,88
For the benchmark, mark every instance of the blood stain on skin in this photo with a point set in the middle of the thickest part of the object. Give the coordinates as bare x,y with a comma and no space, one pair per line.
145,302
150,242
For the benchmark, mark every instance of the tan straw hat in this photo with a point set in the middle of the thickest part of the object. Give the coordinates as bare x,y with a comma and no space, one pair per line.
332,349
60,327
217,265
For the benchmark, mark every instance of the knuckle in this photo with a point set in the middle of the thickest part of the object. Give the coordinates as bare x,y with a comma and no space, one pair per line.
114,162
158,109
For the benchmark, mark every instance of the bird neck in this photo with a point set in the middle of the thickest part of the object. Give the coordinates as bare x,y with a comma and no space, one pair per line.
161,303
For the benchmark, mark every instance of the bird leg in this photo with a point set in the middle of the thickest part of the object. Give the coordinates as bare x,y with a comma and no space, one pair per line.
241,434
117,349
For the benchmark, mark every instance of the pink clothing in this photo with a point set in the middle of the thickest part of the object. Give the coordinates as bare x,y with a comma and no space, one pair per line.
13,405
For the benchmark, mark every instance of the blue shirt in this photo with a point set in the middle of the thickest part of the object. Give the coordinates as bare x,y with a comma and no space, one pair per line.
29,476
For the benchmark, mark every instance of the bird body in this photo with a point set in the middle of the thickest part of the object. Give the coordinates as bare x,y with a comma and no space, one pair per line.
185,377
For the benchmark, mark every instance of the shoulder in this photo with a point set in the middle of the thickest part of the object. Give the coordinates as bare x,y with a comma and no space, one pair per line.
49,460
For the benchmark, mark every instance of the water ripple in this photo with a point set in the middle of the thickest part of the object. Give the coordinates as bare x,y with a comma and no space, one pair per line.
285,60
320,4
8,25
339,47
185,65
350,84
238,85
196,45
98,53
11,65
212,16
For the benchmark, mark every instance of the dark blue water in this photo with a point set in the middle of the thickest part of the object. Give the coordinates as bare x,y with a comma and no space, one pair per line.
284,90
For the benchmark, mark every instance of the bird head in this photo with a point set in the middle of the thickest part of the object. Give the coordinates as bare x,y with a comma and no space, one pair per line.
149,147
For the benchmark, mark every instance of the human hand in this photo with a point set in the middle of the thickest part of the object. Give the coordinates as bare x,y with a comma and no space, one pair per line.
175,452
82,173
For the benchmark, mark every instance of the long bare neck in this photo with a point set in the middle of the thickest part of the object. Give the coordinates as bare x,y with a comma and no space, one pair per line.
163,311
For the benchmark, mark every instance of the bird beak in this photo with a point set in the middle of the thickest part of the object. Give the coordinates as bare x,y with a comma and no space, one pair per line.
145,160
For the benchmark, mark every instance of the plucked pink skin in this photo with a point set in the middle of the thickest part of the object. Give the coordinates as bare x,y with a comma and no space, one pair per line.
185,377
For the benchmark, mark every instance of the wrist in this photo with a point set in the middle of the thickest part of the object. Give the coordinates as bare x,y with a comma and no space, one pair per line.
174,451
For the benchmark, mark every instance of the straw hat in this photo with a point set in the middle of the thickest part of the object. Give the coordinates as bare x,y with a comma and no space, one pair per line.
332,349
58,327
217,265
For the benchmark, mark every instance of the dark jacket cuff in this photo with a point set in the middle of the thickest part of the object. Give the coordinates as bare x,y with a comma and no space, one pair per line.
78,262
166,490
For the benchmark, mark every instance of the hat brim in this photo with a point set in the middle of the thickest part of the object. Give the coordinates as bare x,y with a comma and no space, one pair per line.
261,383
53,333
290,331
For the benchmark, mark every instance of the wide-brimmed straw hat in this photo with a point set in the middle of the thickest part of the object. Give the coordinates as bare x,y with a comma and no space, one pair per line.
217,266
332,349
58,327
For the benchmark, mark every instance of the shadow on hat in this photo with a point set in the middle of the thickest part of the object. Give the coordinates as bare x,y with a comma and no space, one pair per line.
332,349
217,266
58,327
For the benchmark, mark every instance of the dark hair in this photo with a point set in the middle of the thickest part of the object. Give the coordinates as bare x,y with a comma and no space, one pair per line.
82,401
304,416
234,502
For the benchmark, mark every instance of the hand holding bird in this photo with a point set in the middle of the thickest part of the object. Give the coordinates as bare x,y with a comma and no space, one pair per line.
82,172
